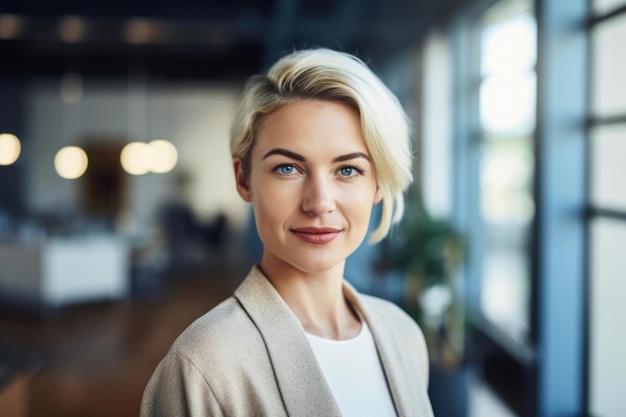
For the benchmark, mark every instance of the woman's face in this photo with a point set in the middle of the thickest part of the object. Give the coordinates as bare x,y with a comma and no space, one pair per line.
311,184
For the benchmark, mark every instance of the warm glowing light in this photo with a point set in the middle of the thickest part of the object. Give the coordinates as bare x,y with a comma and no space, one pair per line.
10,148
71,162
158,156
138,31
72,29
72,87
136,158
165,156
10,26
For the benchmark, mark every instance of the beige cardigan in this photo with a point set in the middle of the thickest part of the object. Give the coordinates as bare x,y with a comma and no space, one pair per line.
249,356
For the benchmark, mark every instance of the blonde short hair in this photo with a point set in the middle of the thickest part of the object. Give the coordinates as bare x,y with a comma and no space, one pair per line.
327,75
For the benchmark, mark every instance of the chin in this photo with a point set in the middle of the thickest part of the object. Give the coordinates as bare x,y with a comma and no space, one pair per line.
314,264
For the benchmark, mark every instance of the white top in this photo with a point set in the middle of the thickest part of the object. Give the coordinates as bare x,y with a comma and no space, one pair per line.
354,373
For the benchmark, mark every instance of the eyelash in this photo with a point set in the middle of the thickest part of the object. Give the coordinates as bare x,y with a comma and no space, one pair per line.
361,170
283,164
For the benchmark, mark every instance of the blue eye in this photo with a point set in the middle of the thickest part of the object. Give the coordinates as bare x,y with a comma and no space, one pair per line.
350,171
347,171
285,169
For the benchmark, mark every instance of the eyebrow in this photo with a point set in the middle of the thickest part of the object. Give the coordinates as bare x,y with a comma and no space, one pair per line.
350,156
285,152
298,157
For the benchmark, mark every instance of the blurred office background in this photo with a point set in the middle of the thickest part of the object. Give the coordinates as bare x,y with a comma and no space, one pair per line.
120,224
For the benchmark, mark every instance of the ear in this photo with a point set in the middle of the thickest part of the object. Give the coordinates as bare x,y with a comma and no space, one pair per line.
378,196
241,179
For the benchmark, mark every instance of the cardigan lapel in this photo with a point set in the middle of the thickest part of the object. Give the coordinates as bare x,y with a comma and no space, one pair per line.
303,387
407,390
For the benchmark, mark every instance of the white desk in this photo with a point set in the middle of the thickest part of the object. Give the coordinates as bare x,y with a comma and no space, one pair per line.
64,271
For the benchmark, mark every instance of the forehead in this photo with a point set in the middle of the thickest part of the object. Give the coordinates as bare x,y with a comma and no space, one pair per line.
312,124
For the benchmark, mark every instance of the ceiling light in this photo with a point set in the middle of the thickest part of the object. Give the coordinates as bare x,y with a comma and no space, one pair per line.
9,148
10,26
71,162
72,29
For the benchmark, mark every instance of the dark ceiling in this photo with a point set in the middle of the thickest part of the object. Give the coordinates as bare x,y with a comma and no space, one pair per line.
199,40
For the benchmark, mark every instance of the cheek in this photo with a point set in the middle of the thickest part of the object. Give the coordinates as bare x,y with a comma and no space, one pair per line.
361,199
364,212
272,205
358,207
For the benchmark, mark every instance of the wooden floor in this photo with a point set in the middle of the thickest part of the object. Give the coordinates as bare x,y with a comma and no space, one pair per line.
98,358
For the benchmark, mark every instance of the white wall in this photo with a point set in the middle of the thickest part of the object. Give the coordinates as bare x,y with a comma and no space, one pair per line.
195,117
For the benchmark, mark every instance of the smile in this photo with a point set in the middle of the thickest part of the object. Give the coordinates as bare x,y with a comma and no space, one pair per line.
317,235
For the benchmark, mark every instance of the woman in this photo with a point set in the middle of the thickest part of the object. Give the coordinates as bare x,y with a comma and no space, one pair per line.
316,143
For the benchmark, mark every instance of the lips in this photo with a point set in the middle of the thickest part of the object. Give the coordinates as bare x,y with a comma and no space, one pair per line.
317,235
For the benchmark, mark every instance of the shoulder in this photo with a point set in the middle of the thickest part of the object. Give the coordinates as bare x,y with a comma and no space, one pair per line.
220,361
225,332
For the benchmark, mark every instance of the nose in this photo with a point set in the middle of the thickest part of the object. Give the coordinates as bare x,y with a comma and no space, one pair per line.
318,198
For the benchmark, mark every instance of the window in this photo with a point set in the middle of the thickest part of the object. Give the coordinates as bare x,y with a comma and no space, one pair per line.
607,361
607,201
506,123
521,132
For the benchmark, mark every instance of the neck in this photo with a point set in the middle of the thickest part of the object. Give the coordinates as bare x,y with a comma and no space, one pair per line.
316,299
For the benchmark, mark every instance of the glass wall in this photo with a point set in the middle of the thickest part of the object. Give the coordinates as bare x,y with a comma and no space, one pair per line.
607,195
506,98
